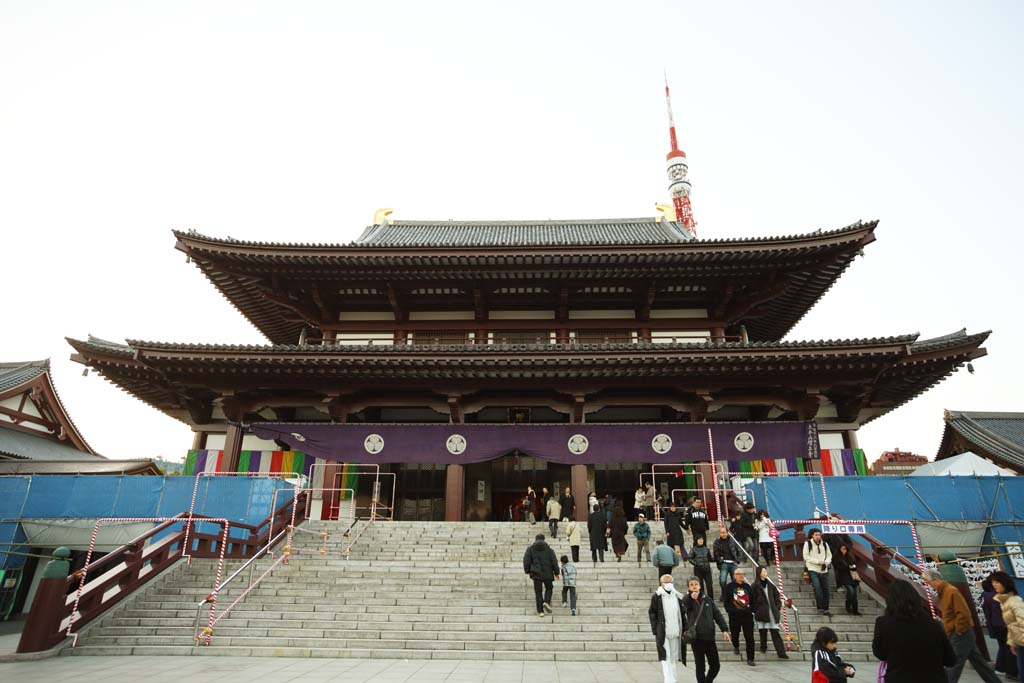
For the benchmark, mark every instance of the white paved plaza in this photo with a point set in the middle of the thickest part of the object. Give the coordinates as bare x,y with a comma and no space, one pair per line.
248,670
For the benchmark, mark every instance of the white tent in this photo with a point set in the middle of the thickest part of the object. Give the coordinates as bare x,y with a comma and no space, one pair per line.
963,465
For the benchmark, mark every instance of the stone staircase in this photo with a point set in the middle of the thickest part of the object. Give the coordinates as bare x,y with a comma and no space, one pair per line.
425,590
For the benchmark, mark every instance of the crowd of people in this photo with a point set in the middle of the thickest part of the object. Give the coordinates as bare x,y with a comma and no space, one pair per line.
910,645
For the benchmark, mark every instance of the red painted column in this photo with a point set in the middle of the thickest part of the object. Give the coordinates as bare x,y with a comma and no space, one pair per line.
454,493
580,490
232,448
42,629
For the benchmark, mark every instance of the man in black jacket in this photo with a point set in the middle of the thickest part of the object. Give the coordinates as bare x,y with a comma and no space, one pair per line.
747,535
727,554
568,503
674,529
702,611
696,520
737,598
542,566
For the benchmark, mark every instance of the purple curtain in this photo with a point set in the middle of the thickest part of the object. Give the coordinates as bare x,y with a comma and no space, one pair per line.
561,443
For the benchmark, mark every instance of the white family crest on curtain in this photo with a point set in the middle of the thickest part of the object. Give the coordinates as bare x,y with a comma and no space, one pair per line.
456,444
578,444
743,442
661,444
374,444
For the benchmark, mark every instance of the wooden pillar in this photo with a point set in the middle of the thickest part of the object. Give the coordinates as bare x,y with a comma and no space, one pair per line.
232,448
455,476
454,493
851,439
198,441
580,489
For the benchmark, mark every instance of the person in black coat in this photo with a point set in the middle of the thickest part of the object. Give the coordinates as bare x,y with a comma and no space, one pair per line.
704,612
568,503
696,520
767,606
674,529
540,563
668,636
738,600
597,529
912,644
845,564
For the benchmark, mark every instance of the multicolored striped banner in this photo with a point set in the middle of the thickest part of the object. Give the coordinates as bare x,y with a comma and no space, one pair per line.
275,462
835,462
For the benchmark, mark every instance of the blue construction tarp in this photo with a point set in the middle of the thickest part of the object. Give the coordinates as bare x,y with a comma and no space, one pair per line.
239,499
997,501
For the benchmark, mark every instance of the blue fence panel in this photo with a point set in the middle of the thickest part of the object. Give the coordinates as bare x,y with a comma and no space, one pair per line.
13,493
92,496
844,497
793,497
933,498
138,496
176,497
886,498
970,497
50,496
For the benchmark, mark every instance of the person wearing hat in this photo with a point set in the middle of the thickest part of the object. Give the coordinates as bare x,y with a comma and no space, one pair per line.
642,533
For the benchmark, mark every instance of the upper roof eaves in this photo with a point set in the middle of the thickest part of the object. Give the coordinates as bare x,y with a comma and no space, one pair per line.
522,234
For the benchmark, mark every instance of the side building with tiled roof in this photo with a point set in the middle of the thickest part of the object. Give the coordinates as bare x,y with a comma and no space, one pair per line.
628,327
997,437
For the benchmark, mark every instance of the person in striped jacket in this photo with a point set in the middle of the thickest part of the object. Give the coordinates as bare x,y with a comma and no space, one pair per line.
826,665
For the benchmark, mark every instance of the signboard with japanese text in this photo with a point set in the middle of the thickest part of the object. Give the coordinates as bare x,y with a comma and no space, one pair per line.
843,529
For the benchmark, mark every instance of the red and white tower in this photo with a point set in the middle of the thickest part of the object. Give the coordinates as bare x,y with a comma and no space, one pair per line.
678,183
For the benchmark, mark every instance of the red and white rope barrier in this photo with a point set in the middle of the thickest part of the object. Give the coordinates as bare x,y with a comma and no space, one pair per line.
889,522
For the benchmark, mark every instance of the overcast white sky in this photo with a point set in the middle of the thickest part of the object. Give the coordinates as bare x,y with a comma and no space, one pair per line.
295,121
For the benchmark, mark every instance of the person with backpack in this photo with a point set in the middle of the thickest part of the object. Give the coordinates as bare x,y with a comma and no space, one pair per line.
642,533
700,558
572,534
702,615
817,560
696,520
767,605
737,597
540,563
664,558
668,622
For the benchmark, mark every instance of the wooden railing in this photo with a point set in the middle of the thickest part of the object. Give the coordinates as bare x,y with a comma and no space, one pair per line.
875,567
541,337
121,572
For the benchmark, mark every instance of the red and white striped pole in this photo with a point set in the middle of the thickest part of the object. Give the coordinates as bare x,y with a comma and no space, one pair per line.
84,571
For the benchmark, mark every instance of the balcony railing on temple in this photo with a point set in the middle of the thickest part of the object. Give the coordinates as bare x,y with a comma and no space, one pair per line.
530,337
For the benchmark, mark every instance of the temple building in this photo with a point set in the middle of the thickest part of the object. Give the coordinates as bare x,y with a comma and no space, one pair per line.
471,359
996,437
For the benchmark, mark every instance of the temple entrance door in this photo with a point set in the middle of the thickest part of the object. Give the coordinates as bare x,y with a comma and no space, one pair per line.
494,490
